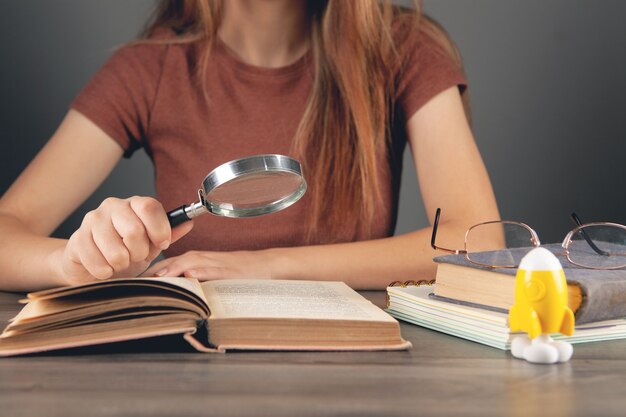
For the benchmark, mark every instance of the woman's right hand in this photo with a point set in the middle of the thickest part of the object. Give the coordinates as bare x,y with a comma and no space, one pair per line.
119,238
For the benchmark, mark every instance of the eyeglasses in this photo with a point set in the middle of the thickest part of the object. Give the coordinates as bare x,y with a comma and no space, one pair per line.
503,243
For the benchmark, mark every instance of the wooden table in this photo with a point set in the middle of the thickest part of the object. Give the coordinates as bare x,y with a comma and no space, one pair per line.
441,375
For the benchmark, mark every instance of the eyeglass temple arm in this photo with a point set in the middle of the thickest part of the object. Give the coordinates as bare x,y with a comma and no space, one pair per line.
434,236
592,245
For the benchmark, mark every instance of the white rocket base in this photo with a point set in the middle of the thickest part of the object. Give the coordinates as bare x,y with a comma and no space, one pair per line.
542,349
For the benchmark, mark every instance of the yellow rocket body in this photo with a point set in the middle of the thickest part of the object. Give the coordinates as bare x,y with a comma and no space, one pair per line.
541,297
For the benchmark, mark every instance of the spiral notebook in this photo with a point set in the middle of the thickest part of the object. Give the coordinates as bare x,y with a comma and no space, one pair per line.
414,302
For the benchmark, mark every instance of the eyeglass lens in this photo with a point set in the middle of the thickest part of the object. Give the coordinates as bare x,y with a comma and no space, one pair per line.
498,244
598,246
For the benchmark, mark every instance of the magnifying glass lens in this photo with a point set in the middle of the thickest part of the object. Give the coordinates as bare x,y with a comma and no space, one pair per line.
257,193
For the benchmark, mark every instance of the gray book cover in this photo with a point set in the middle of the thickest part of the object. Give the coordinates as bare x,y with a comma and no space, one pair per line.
603,291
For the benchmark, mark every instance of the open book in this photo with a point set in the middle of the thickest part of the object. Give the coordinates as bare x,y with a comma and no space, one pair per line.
212,316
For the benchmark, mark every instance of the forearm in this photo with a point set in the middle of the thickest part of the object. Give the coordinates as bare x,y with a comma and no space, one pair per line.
26,258
371,264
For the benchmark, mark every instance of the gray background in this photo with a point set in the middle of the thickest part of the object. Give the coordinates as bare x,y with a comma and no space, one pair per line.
547,79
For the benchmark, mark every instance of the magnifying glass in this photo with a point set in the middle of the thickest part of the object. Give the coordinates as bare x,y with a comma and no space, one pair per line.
246,187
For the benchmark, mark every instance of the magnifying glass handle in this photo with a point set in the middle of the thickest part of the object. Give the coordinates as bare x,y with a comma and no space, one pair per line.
185,213
178,216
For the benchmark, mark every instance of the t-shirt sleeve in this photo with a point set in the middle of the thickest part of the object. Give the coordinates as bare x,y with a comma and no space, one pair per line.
427,71
120,96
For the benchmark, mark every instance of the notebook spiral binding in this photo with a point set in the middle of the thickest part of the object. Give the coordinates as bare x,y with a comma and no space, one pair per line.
406,284
412,283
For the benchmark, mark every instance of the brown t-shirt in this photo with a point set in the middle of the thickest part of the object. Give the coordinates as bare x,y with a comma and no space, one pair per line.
145,96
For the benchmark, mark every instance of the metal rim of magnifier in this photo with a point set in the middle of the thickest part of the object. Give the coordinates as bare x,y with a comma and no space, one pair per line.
249,165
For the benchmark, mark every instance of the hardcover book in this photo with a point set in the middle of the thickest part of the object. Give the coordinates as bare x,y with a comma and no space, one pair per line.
593,295
212,316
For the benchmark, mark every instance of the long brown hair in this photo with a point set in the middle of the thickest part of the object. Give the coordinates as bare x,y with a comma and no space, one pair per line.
343,134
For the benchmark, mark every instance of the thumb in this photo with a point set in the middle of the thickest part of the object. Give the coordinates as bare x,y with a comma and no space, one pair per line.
177,232
181,230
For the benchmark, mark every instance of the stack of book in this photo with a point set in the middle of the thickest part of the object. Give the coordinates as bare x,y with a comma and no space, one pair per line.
471,302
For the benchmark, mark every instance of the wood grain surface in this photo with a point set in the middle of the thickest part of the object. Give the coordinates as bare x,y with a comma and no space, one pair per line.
440,376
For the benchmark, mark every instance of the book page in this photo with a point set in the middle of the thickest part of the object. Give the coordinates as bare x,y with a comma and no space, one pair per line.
289,299
188,284
137,291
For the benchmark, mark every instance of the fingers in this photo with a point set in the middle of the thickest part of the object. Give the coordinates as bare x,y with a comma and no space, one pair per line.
205,274
161,267
154,219
181,230
215,265
85,254
133,234
110,244
93,260
191,261
158,267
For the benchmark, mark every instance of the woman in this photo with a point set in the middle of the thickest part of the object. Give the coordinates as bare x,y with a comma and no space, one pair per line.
340,85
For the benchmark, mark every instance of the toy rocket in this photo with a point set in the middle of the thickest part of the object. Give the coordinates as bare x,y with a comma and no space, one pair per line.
541,296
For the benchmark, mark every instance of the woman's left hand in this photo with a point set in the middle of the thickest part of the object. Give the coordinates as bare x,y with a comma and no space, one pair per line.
207,266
